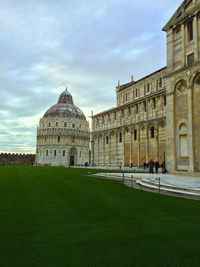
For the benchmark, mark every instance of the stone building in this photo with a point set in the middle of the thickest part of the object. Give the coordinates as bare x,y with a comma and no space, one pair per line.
157,117
63,135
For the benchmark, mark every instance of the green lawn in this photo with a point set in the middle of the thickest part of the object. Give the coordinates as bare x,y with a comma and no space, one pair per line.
59,217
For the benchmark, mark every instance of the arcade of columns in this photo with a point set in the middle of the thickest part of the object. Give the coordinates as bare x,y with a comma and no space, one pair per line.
131,145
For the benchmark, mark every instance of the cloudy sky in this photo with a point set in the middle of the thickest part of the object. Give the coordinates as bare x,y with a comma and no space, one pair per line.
82,44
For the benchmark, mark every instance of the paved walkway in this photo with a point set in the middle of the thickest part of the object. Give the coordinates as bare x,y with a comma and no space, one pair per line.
169,183
180,181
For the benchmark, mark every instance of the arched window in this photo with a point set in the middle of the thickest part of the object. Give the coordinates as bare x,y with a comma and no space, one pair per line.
73,138
46,152
58,138
148,87
197,77
54,152
49,124
152,132
136,92
181,87
136,108
56,124
135,135
160,82
106,139
164,100
120,137
145,106
65,124
154,103
129,111
63,153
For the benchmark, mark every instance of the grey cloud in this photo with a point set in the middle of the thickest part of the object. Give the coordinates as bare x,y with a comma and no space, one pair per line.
86,45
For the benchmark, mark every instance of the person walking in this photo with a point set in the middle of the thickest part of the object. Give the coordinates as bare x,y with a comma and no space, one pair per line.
157,166
163,167
145,165
151,165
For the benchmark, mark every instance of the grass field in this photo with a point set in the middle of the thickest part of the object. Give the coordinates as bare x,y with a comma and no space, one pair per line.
61,217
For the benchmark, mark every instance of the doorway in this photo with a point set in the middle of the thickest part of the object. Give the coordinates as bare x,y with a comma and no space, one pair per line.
71,160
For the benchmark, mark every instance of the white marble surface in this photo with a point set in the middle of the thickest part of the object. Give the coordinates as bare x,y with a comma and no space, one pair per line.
178,181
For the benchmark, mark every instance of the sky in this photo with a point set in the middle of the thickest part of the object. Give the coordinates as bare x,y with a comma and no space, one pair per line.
82,44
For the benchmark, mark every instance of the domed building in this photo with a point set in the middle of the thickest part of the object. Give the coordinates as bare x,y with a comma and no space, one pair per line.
63,135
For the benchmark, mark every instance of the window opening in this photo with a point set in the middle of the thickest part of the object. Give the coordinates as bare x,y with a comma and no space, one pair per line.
135,135
152,132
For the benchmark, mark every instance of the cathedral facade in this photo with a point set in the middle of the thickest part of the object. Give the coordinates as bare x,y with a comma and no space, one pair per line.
158,117
63,135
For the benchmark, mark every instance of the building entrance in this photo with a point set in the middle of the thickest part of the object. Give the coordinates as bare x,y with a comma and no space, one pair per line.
71,160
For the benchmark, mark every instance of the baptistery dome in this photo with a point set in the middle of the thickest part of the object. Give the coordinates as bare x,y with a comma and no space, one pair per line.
65,108
63,134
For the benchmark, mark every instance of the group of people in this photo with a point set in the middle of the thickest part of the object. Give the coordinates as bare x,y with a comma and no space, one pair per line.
151,165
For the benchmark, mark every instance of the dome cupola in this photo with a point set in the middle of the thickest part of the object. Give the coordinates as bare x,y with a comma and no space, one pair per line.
65,108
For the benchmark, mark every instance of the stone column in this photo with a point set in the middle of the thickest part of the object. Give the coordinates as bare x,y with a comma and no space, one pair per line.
170,49
97,151
116,150
157,142
195,37
123,139
138,131
183,44
170,133
103,149
130,147
110,154
92,149
190,131
147,114
147,143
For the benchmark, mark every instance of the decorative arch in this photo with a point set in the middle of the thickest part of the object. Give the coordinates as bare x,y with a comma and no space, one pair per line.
194,77
182,127
184,78
180,87
142,126
73,154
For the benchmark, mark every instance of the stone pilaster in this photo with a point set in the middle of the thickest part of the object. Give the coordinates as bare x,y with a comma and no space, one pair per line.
183,44
147,143
190,131
195,36
123,139
171,133
130,147
104,150
110,154
157,142
138,130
